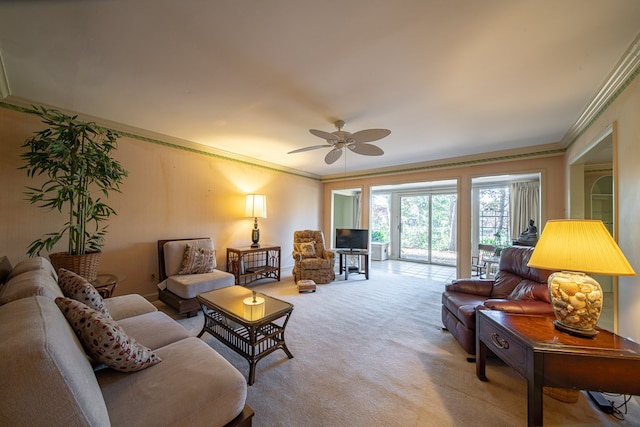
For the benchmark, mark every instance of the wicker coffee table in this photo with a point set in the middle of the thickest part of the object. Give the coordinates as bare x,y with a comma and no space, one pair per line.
250,323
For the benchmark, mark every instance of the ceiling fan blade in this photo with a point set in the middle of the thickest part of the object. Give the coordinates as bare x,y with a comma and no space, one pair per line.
332,156
313,147
324,135
369,135
366,149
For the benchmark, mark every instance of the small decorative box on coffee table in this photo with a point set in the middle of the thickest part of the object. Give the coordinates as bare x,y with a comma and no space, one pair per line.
306,286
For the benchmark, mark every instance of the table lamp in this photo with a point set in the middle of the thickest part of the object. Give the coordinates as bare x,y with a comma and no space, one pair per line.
575,247
256,207
253,307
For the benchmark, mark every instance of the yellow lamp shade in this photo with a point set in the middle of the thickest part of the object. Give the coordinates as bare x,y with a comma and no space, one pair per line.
579,245
575,247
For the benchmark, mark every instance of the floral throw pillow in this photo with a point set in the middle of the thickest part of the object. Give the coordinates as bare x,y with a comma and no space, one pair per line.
308,249
76,287
198,260
105,341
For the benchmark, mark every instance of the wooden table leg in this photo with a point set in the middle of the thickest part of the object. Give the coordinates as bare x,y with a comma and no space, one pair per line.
481,355
534,404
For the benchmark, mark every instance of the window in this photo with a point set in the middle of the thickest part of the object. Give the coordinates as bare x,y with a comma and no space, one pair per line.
493,215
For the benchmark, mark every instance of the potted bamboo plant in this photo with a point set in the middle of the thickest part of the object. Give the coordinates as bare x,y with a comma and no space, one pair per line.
75,158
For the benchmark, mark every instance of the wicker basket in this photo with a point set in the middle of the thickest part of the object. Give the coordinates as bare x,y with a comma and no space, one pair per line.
567,395
84,265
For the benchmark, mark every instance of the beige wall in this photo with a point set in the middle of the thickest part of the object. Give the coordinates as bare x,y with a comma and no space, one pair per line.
625,112
552,204
170,193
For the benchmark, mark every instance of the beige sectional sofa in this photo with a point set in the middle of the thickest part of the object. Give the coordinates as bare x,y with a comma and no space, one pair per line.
48,379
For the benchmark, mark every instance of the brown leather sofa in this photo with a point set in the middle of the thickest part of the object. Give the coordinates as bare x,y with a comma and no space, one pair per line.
516,288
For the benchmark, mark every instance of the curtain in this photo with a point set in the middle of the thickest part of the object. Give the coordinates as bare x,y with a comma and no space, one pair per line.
357,209
525,205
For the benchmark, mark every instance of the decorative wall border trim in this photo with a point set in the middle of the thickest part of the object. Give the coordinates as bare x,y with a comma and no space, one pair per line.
445,165
189,146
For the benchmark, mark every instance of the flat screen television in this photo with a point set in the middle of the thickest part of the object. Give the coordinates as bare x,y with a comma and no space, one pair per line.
352,239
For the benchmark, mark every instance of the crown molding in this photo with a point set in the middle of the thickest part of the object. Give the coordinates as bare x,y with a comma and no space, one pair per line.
545,150
4,81
625,71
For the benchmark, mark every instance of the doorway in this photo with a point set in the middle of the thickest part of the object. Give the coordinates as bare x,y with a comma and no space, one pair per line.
426,229
418,221
593,196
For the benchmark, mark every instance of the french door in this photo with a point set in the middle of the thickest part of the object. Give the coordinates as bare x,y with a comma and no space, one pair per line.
427,227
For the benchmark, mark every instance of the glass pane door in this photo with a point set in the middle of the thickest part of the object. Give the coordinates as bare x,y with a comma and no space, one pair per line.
427,229
444,208
415,221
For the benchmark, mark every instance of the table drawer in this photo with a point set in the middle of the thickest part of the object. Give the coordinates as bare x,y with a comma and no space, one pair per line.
504,345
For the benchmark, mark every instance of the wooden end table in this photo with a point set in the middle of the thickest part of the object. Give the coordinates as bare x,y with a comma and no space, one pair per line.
251,336
544,356
250,264
106,284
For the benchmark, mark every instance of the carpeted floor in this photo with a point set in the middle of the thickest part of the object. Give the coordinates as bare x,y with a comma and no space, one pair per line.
373,353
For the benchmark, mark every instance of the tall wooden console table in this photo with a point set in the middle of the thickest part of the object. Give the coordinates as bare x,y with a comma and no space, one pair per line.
545,356
250,264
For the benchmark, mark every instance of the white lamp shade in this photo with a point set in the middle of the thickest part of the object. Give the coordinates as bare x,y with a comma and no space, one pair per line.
253,308
256,206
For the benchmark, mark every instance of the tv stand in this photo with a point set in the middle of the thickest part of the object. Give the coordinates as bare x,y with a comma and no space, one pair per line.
343,264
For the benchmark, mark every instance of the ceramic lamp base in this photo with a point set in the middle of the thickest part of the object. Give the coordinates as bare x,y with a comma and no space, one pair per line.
255,238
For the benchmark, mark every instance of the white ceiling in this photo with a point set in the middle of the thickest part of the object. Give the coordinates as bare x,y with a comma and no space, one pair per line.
448,78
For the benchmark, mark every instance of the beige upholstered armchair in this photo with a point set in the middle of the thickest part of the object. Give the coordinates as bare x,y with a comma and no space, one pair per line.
312,260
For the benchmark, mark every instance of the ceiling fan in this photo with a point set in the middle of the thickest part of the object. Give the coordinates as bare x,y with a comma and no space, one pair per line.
338,140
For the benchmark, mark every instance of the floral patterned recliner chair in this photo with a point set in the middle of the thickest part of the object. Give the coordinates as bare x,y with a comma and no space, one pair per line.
312,260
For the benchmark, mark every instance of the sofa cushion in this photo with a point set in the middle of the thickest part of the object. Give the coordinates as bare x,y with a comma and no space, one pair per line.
76,287
5,269
174,253
31,264
504,283
197,260
463,306
47,379
130,305
189,364
316,263
306,249
30,283
153,330
528,290
514,259
105,341
190,285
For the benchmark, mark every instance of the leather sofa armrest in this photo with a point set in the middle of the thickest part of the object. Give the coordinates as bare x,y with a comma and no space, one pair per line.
480,287
519,306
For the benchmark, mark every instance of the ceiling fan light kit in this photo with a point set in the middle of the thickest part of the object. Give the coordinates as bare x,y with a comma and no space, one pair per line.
338,140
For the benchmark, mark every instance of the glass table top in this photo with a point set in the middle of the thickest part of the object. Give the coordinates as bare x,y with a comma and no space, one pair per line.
243,303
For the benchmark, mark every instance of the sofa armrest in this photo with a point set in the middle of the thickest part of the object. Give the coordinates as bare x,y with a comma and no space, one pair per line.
328,254
519,306
297,256
480,287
